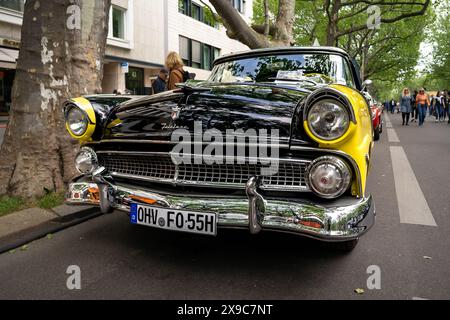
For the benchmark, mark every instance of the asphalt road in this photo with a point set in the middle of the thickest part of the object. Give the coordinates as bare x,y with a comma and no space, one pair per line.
121,261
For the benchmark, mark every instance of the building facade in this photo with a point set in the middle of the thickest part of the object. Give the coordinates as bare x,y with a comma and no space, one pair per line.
10,27
141,34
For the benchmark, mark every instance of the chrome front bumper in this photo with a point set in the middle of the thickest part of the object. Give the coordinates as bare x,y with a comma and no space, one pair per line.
340,220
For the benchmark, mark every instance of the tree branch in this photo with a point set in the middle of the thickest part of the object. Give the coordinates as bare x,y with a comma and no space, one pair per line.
266,18
237,28
215,15
387,20
381,3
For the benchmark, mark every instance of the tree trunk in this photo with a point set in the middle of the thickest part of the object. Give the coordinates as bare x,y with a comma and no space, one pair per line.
61,56
332,26
285,22
236,27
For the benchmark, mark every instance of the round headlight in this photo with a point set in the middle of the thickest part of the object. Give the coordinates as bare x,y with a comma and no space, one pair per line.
328,176
86,161
328,119
77,121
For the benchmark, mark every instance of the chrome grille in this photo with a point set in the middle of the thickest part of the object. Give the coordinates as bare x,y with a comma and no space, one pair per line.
160,168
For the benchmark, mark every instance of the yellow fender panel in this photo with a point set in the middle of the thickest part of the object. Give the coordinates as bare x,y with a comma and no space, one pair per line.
86,106
357,142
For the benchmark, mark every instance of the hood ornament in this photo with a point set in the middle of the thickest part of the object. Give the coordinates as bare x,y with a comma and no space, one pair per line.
175,113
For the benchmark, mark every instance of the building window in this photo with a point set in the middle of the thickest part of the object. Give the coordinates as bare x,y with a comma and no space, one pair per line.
239,5
197,12
216,53
184,7
118,17
196,58
185,50
196,54
207,63
13,4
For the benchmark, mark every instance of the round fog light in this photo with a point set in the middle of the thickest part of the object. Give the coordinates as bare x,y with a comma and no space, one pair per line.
328,176
86,161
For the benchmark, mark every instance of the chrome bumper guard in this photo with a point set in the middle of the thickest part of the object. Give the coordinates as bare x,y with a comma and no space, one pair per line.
344,219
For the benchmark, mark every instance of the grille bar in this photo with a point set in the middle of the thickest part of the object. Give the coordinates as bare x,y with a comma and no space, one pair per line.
159,167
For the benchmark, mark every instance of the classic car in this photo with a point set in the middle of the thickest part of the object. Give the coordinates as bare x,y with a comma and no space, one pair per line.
377,116
276,139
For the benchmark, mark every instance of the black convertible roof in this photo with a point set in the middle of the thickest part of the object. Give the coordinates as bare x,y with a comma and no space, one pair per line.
280,50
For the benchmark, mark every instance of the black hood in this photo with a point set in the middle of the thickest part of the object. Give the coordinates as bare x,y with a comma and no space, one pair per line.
215,106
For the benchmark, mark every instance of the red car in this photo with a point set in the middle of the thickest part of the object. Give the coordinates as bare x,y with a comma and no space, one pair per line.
376,115
377,121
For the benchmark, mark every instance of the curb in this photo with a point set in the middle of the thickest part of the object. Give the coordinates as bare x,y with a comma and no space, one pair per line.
20,238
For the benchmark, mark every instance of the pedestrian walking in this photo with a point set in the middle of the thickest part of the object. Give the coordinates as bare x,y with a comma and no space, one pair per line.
159,85
386,105
438,108
414,112
405,106
392,105
444,104
176,72
422,102
431,107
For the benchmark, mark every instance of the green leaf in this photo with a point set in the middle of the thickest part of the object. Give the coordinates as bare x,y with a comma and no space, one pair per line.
359,291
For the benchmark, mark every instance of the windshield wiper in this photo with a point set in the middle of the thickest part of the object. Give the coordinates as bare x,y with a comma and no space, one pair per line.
294,80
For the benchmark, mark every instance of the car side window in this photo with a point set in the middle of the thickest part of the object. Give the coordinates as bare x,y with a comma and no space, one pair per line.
348,76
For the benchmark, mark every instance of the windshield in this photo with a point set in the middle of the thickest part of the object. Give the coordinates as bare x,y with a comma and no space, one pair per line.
291,69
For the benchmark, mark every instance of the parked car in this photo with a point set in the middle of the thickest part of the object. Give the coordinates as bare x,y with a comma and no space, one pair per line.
377,115
152,157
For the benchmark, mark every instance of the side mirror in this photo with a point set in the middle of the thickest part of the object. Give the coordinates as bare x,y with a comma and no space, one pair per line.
365,84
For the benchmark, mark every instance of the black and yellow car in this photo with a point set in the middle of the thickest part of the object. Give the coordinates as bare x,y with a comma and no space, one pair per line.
276,139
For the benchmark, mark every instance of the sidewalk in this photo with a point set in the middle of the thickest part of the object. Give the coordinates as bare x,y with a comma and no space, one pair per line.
21,227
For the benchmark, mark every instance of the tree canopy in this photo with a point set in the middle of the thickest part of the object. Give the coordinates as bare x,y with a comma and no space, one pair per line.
384,36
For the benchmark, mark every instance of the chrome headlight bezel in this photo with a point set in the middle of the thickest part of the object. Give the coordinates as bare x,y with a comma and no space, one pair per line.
86,161
328,115
84,120
335,163
331,96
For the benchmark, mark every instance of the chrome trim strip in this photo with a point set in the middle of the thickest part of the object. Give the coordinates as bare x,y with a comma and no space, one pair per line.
210,184
168,142
192,156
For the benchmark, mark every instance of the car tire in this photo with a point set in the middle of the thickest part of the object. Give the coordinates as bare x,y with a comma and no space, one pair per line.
376,135
345,246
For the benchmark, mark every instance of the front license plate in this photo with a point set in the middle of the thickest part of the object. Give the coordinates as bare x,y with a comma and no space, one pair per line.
172,219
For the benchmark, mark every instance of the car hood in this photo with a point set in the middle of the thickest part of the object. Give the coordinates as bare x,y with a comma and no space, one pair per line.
210,106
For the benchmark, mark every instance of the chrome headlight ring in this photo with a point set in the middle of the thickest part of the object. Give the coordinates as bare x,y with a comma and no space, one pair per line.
328,114
86,161
328,119
77,120
328,176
